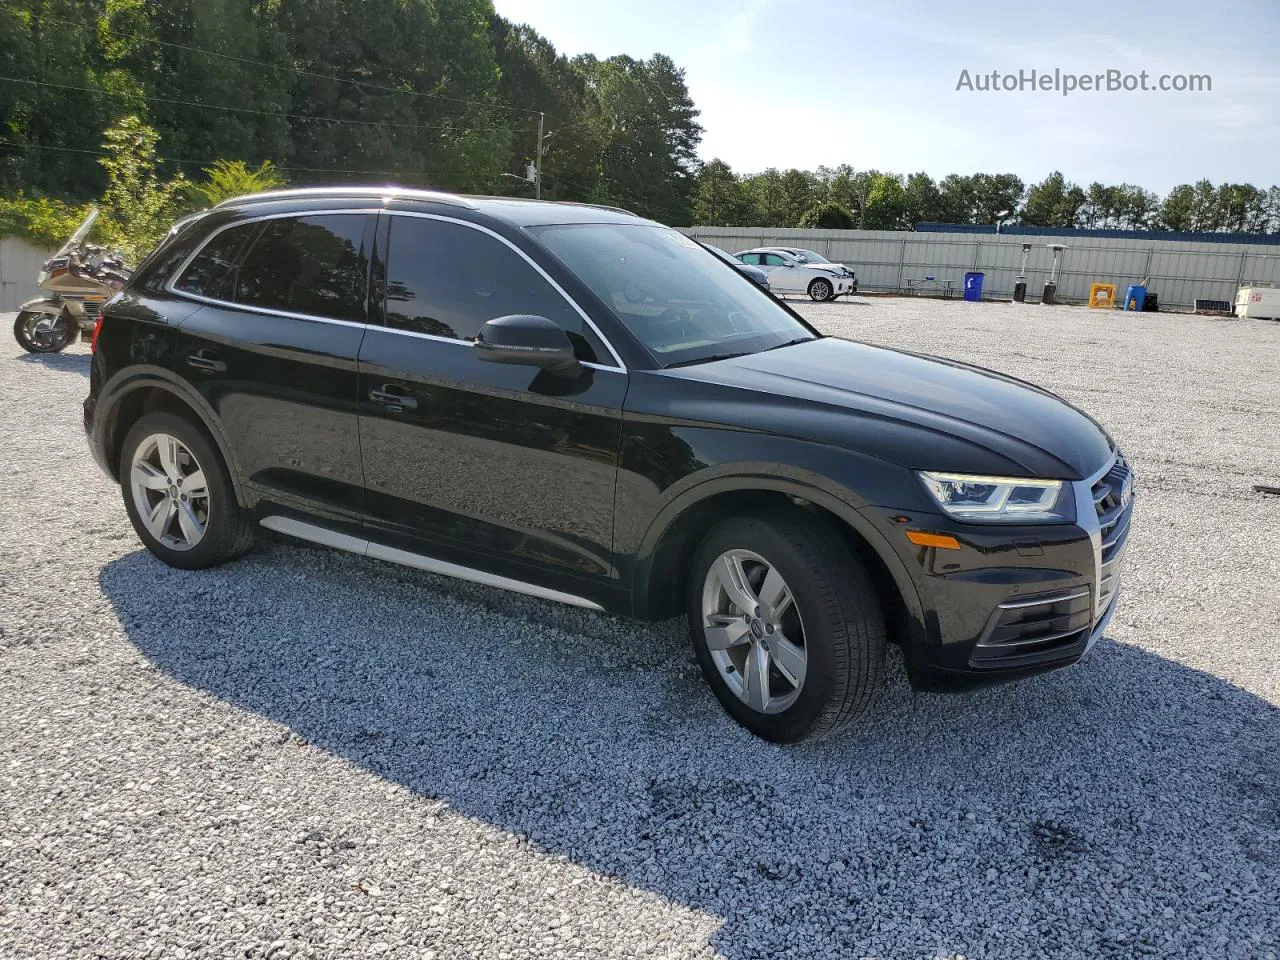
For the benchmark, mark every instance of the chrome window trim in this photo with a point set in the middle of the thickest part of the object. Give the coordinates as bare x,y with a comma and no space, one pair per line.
527,259
171,287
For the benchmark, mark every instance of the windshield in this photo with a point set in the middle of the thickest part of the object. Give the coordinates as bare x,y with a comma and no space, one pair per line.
82,231
811,257
673,295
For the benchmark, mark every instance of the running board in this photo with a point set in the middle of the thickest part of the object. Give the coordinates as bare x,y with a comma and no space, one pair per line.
365,548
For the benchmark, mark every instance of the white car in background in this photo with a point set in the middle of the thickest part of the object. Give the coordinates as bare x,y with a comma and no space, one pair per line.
812,256
789,273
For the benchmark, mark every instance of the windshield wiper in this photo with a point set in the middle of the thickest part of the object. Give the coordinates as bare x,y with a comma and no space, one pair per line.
790,343
711,359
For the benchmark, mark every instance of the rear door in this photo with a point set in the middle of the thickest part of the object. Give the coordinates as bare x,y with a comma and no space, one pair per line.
273,350
491,466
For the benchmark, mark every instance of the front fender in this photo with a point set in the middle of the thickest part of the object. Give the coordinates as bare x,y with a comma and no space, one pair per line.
667,472
42,305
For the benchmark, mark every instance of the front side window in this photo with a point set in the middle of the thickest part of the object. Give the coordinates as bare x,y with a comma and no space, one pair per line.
670,292
210,273
774,260
315,265
448,280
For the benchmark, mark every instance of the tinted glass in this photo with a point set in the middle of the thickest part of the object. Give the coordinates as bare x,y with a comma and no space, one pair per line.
773,260
449,280
676,297
314,265
751,258
209,274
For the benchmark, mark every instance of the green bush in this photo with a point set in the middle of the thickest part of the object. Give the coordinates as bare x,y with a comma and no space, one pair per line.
234,178
43,221
138,207
827,216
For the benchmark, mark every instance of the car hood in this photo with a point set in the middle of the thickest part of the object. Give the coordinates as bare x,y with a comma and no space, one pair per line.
1029,430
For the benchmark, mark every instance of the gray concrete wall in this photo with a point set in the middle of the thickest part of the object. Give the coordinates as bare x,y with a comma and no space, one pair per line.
20,262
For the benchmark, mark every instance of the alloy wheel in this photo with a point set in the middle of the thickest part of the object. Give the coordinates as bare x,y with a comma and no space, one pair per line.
821,290
753,631
46,331
170,491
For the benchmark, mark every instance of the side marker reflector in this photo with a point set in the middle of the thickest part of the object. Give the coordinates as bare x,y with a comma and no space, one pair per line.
940,540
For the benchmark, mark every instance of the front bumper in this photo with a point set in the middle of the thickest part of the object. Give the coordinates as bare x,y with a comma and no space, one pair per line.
1014,601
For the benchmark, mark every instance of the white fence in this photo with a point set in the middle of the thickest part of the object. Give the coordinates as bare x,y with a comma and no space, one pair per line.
20,263
1180,272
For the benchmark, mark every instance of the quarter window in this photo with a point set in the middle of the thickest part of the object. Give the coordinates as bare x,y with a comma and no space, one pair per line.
448,280
210,273
315,265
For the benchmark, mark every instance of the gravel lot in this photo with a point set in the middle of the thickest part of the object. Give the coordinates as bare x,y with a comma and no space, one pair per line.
311,754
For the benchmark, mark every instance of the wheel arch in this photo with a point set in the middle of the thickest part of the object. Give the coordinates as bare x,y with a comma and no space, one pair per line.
665,552
148,390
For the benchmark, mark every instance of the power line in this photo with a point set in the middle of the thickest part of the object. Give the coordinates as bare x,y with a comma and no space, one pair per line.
283,165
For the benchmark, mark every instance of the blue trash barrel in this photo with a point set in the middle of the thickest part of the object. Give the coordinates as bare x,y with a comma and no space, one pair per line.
973,286
1135,297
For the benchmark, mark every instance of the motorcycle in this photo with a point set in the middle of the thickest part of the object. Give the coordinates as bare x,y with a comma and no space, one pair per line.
78,280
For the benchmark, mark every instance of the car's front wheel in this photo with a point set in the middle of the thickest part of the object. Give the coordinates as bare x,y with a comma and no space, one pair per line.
178,494
786,625
820,290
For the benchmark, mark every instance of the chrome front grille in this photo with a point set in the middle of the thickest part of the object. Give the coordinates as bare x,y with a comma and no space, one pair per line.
1113,501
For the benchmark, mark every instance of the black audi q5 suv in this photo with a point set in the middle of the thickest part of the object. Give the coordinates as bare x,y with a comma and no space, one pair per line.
576,403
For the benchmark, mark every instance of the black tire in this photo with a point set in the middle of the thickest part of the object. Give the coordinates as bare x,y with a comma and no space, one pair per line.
820,289
228,528
65,330
843,626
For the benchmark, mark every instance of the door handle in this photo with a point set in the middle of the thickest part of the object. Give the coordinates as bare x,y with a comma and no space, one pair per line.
394,401
205,363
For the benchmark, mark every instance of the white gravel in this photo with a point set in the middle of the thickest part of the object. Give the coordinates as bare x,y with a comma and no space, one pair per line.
310,754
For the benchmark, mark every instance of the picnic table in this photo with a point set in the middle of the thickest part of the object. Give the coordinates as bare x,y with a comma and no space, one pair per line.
928,284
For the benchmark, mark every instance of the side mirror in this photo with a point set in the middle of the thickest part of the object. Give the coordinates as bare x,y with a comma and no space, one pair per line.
528,341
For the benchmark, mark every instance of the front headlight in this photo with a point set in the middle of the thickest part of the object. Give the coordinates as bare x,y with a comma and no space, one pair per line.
999,499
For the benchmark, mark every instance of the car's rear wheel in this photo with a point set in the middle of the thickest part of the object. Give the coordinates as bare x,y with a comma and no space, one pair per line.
786,625
820,290
178,494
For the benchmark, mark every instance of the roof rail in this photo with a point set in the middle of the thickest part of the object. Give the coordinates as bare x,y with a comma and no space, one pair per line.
389,190
597,206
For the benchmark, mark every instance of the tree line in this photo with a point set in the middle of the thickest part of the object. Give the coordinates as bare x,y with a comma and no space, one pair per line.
440,93
843,198
446,93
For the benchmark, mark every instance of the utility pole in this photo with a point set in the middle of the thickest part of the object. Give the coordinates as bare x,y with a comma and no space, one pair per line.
537,177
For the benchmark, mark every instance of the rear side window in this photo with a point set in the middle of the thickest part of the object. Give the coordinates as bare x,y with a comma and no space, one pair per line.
315,265
751,258
448,280
210,273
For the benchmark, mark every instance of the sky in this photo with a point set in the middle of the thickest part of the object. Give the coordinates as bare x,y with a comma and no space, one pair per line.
799,84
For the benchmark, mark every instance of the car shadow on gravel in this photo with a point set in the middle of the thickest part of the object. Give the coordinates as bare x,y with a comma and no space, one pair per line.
62,362
1129,805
